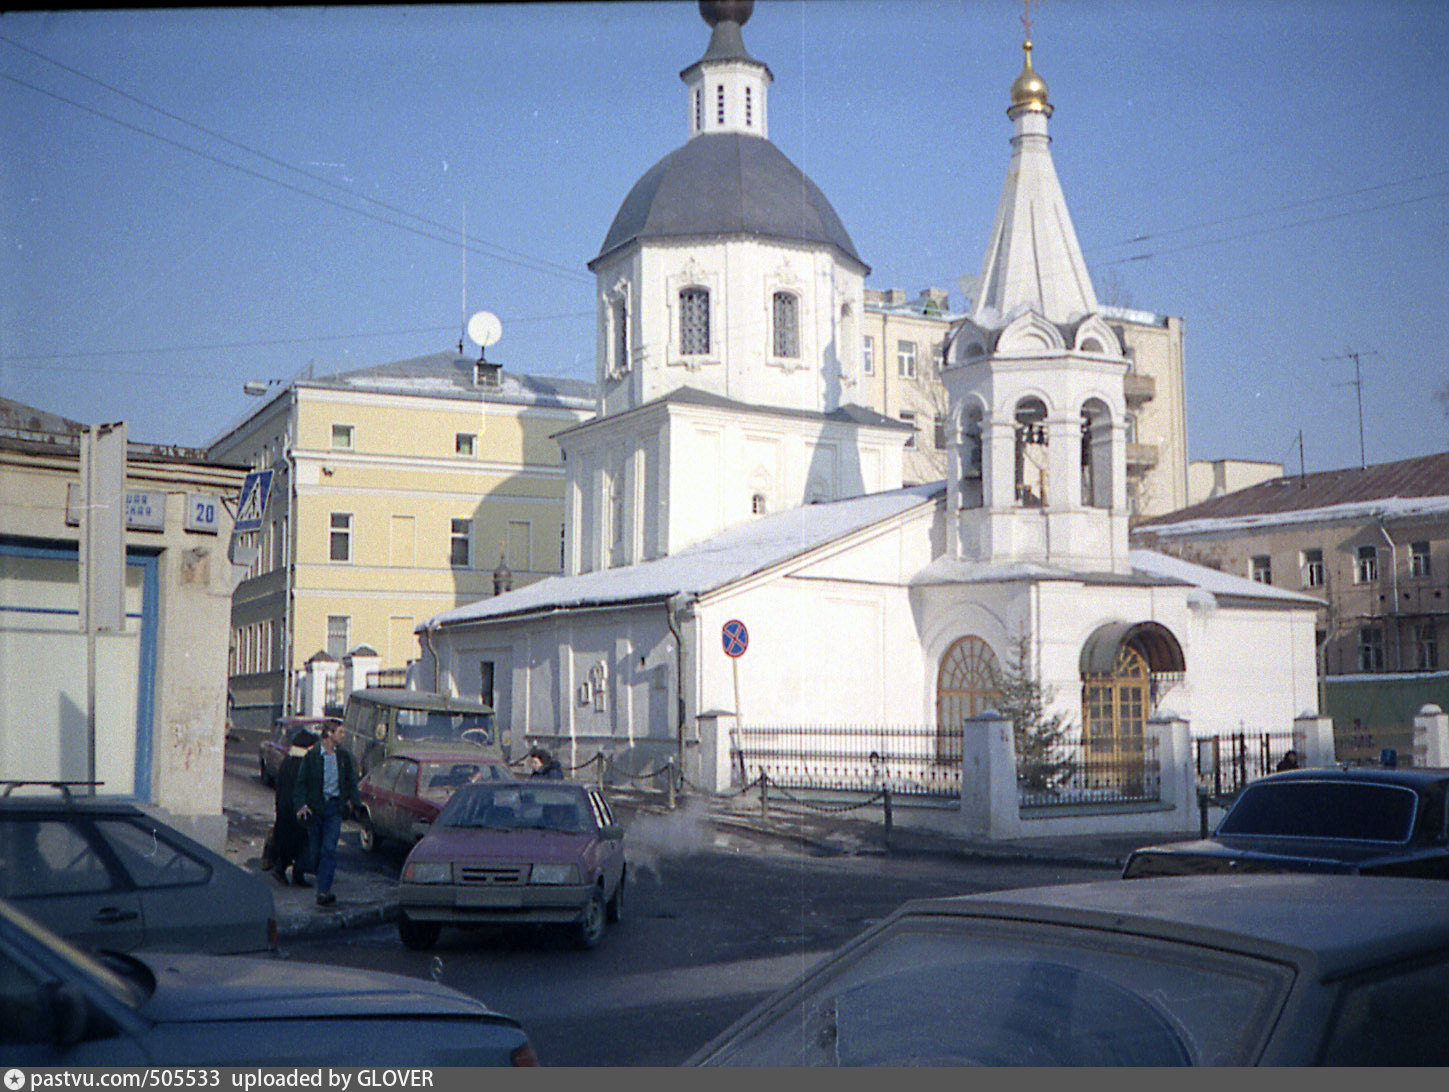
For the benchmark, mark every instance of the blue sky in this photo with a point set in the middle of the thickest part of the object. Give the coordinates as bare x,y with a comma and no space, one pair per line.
190,200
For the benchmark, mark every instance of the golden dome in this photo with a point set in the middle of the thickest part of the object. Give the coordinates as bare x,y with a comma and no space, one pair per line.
1030,90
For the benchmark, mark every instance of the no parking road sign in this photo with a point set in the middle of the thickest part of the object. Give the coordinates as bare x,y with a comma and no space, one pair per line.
735,638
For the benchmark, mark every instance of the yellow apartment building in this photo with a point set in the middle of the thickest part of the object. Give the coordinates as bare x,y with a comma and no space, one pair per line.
399,491
900,377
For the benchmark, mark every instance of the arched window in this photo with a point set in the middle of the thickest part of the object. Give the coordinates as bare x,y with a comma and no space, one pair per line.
787,325
1031,453
967,684
1096,455
970,457
694,321
757,504
621,335
1115,708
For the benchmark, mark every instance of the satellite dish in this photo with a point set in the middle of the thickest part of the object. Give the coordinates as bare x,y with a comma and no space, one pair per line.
485,329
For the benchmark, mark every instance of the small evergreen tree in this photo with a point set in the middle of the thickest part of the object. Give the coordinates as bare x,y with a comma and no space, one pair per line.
1042,761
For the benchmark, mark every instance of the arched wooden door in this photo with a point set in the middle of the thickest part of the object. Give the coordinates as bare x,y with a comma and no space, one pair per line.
1115,707
966,685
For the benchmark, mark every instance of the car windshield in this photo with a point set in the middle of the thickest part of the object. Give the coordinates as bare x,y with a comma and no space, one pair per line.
514,806
1352,810
435,726
938,991
440,780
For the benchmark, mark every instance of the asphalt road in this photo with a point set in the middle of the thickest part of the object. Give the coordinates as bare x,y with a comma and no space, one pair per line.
713,923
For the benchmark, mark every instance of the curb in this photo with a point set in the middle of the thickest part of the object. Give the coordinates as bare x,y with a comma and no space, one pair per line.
337,920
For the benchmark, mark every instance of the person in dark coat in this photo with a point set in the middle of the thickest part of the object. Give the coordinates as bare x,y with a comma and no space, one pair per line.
325,794
543,764
289,837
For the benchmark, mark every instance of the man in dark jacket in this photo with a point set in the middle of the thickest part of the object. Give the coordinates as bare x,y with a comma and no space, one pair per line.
325,794
543,764
289,837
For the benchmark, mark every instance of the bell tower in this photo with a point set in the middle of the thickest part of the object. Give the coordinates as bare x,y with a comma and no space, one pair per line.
1037,452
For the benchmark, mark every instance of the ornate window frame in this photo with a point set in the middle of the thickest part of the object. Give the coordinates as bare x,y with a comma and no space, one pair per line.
785,281
693,275
618,304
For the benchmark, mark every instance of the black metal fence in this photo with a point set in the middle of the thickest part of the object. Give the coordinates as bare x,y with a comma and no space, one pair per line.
914,760
1225,763
1077,772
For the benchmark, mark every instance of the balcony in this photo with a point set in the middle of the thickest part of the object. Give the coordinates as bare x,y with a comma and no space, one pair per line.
1139,388
1141,457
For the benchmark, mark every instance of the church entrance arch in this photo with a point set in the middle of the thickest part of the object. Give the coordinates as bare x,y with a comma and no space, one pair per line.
967,684
1124,667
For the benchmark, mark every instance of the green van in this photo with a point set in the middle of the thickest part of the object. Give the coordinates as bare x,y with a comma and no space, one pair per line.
380,720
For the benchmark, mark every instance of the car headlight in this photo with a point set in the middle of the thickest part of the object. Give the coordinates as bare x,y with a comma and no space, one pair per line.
428,872
554,873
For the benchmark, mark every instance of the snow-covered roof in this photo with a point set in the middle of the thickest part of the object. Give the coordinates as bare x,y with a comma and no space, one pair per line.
1151,563
1358,512
448,375
714,563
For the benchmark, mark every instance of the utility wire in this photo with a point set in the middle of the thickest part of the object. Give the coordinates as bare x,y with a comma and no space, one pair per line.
451,239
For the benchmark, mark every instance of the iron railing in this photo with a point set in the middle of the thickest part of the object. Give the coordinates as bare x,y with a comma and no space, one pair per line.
914,760
1225,763
1076,772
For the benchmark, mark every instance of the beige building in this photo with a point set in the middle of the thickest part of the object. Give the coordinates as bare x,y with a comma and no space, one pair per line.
160,701
1207,479
399,491
900,378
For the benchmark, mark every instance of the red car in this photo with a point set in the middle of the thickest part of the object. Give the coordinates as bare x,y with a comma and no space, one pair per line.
404,793
534,850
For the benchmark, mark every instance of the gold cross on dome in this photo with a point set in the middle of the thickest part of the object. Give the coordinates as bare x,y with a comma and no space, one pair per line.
1026,17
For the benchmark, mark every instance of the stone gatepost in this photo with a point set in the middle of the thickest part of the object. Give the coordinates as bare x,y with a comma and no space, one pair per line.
1313,740
990,802
1431,736
356,666
717,747
1178,780
315,680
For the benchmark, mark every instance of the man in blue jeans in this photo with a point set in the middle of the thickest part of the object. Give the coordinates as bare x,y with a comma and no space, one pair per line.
327,791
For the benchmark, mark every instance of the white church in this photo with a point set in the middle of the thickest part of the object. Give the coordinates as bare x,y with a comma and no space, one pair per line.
732,496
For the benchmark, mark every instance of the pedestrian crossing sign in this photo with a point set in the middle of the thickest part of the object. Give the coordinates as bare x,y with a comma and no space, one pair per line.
255,490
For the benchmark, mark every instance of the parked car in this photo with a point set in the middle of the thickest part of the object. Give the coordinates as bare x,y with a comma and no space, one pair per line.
274,747
63,1007
403,795
1370,821
381,720
1277,970
105,874
524,851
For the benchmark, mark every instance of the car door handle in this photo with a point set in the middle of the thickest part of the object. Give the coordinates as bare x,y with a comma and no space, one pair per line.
112,915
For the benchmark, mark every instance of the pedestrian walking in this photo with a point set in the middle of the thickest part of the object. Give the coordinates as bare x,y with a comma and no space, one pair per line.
543,764
1289,761
325,794
289,837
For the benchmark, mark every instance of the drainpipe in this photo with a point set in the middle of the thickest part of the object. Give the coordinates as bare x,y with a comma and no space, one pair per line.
289,456
1394,561
677,603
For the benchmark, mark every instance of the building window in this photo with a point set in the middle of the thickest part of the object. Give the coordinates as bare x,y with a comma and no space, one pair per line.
867,356
787,325
342,437
1262,569
698,110
1418,559
339,635
1367,569
460,544
1370,649
757,504
938,435
1426,646
621,335
906,359
910,419
749,108
341,544
694,321
938,359
465,443
719,103
1313,568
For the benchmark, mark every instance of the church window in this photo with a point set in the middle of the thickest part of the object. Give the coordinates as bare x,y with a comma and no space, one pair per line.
910,418
757,504
867,356
906,359
698,110
787,325
970,456
1115,707
1031,454
967,684
1096,457
719,104
694,321
749,108
621,335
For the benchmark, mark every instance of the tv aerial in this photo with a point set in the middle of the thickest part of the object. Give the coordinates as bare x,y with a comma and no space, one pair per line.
484,330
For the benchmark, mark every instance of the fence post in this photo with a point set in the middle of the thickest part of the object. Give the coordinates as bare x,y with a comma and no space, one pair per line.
1313,740
669,771
1431,736
990,800
764,795
1177,783
885,791
603,762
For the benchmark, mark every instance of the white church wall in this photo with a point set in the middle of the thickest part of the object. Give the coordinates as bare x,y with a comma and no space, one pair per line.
1252,669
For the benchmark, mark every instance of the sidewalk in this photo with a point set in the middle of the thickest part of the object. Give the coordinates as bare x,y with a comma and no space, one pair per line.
367,898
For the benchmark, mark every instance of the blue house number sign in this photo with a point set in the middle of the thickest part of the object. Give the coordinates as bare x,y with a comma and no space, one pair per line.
735,638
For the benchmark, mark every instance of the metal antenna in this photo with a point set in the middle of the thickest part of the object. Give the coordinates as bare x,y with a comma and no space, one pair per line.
1357,384
1026,17
464,327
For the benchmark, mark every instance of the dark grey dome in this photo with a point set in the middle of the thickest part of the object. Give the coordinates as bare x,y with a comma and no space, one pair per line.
727,184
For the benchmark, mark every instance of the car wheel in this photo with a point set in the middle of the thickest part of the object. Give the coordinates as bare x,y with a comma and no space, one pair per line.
367,836
614,911
589,929
418,935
